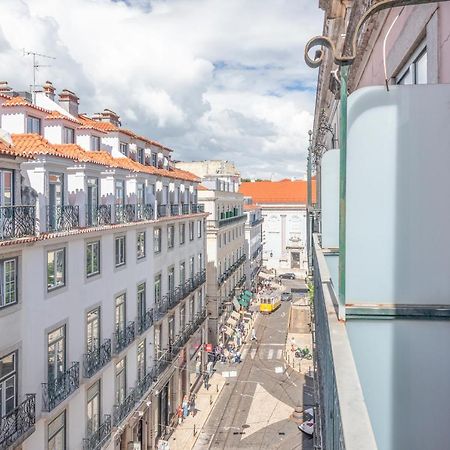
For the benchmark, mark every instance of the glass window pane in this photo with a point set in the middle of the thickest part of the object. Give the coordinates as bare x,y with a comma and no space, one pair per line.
421,68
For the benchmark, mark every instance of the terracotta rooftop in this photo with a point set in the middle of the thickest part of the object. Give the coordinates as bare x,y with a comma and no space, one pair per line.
284,191
32,145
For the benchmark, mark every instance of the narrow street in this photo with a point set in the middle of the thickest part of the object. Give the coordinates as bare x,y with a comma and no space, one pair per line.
255,405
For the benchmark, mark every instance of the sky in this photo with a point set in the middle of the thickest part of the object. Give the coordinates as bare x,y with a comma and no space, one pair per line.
212,79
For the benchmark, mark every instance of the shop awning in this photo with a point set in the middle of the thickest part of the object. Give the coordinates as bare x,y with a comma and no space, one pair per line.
229,331
265,276
232,322
250,294
244,302
236,315
236,305
245,297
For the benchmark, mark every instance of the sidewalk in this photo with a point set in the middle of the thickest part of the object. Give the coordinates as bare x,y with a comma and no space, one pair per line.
183,438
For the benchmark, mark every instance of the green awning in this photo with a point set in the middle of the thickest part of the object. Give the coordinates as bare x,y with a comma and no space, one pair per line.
243,302
245,297
250,294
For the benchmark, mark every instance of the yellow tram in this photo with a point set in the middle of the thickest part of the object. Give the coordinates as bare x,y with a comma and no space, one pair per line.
269,304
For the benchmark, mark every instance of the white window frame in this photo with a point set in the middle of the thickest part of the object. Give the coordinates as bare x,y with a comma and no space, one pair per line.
140,244
120,251
411,64
8,280
88,245
58,282
157,240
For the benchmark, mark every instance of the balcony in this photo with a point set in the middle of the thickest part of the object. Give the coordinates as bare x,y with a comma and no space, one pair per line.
19,423
162,211
342,420
231,270
98,215
185,209
122,410
123,338
197,208
96,358
145,321
98,438
227,220
62,218
241,281
124,213
56,391
144,385
17,221
255,222
174,210
144,212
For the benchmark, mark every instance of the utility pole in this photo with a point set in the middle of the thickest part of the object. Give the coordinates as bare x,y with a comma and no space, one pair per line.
36,66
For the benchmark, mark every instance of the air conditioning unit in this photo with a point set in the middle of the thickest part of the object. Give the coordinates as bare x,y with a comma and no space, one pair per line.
134,446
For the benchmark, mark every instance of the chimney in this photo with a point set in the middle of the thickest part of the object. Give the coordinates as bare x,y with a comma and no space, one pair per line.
69,101
49,90
107,116
4,88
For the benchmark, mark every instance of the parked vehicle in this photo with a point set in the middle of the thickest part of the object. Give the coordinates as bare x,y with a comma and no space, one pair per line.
288,276
286,297
307,427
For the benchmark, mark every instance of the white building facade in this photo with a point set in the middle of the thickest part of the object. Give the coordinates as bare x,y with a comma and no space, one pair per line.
253,244
103,299
225,241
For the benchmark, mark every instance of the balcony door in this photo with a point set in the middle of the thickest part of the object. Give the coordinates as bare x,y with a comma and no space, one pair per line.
93,408
171,331
120,313
56,353
6,188
92,200
8,384
55,199
171,280
120,192
93,330
140,194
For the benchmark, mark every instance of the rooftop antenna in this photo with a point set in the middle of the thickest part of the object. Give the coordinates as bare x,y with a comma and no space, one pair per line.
36,66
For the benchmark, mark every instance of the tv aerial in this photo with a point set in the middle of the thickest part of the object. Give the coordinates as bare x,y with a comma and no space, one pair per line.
36,66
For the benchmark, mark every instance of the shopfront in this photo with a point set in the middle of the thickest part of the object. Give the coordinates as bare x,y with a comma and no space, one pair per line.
195,355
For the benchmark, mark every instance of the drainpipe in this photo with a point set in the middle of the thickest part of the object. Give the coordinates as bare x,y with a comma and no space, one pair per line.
308,206
342,190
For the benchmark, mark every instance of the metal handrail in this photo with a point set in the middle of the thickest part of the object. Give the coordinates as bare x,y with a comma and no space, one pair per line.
124,337
97,438
96,358
62,217
17,221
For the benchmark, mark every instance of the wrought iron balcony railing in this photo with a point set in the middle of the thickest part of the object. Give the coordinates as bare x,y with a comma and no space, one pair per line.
174,210
255,222
257,251
227,220
98,215
98,438
123,409
96,358
62,218
17,221
241,281
197,208
231,269
124,213
18,423
123,338
145,383
144,212
185,208
57,390
163,362
161,211
145,321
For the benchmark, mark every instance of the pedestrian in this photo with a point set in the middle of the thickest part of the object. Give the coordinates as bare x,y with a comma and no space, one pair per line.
192,405
180,414
206,380
254,335
185,406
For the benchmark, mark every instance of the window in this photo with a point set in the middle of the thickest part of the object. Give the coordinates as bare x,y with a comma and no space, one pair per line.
141,360
93,330
92,258
157,341
141,300
225,238
182,272
56,353
200,261
120,251
182,233
8,285
141,155
191,267
199,228
56,270
154,159
95,143
123,148
121,382
68,135
33,125
170,236
6,188
57,433
220,240
157,286
119,316
191,231
157,240
171,280
140,244
8,384
93,408
415,71
182,317
120,192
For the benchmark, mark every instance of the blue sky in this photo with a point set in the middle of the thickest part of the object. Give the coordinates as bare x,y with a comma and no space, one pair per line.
213,79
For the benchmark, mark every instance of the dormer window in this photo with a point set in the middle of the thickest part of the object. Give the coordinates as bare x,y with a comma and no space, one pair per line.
68,135
141,155
33,125
154,159
95,143
124,148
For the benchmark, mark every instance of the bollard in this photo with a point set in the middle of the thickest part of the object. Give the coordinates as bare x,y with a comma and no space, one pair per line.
217,388
194,430
210,399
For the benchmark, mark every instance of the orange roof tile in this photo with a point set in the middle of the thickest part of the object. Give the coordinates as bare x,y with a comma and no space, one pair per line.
202,188
285,191
56,115
20,101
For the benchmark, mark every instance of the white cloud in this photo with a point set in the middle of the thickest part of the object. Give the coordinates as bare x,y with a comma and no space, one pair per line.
211,79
